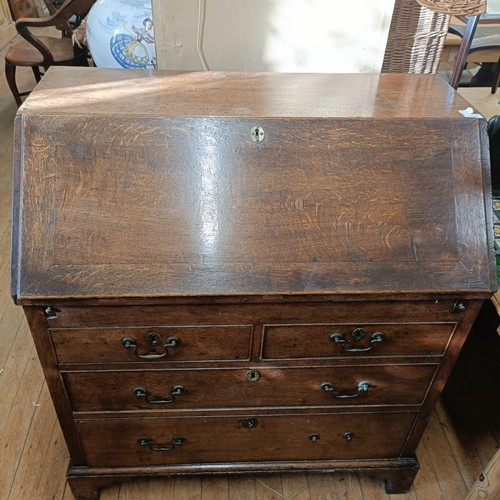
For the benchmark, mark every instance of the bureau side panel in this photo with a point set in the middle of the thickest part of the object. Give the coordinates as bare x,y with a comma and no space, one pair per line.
443,373
48,360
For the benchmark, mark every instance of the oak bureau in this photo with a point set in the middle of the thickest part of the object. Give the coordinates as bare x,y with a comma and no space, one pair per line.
243,273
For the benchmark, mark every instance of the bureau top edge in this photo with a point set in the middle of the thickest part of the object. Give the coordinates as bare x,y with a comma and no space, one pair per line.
297,298
236,94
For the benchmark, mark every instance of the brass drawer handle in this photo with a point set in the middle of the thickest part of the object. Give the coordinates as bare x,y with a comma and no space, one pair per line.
153,339
176,441
140,392
356,335
329,387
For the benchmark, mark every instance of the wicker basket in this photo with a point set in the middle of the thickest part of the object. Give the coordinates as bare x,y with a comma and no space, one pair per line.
416,39
418,30
456,7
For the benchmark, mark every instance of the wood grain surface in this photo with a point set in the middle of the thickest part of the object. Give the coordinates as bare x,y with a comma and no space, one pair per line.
177,202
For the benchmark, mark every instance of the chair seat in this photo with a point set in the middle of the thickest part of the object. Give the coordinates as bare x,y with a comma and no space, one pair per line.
60,51
22,53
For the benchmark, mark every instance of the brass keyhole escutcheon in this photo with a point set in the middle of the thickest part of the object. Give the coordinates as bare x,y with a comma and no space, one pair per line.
358,334
257,134
253,375
153,339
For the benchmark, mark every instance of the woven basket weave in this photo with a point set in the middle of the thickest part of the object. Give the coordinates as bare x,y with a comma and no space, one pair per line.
456,7
416,39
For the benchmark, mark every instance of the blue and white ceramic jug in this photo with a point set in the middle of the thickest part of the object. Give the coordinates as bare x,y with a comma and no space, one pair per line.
120,34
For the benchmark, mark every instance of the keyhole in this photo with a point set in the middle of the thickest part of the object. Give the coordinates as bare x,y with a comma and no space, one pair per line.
153,339
250,423
252,375
358,334
348,436
257,134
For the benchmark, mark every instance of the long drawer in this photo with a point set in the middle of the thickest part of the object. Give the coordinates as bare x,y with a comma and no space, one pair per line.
155,344
334,340
157,441
232,388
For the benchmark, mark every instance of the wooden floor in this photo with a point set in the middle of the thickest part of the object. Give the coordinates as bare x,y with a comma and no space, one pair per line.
462,436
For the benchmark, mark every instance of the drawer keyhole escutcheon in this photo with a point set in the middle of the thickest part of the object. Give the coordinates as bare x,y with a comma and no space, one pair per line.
142,393
250,423
176,441
355,336
314,438
253,375
257,134
154,340
348,436
329,387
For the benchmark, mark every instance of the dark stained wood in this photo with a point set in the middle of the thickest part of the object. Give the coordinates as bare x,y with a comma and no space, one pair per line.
196,343
443,372
287,341
279,311
85,483
114,442
88,487
205,388
150,210
57,390
321,205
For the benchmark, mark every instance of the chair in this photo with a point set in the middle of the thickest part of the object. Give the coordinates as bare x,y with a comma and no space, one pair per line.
44,51
416,38
480,45
418,30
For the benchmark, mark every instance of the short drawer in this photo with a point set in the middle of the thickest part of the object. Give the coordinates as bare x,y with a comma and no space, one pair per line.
341,340
234,388
154,344
208,439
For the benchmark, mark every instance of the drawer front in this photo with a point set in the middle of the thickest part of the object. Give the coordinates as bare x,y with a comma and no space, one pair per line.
155,344
155,441
226,388
341,340
267,313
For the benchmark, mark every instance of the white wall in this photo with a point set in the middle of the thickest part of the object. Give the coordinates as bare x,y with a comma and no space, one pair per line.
272,35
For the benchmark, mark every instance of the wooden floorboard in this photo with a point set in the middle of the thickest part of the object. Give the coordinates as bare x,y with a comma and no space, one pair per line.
461,445
461,438
442,458
269,487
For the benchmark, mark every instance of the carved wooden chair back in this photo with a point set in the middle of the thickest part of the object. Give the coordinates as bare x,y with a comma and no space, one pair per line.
41,51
